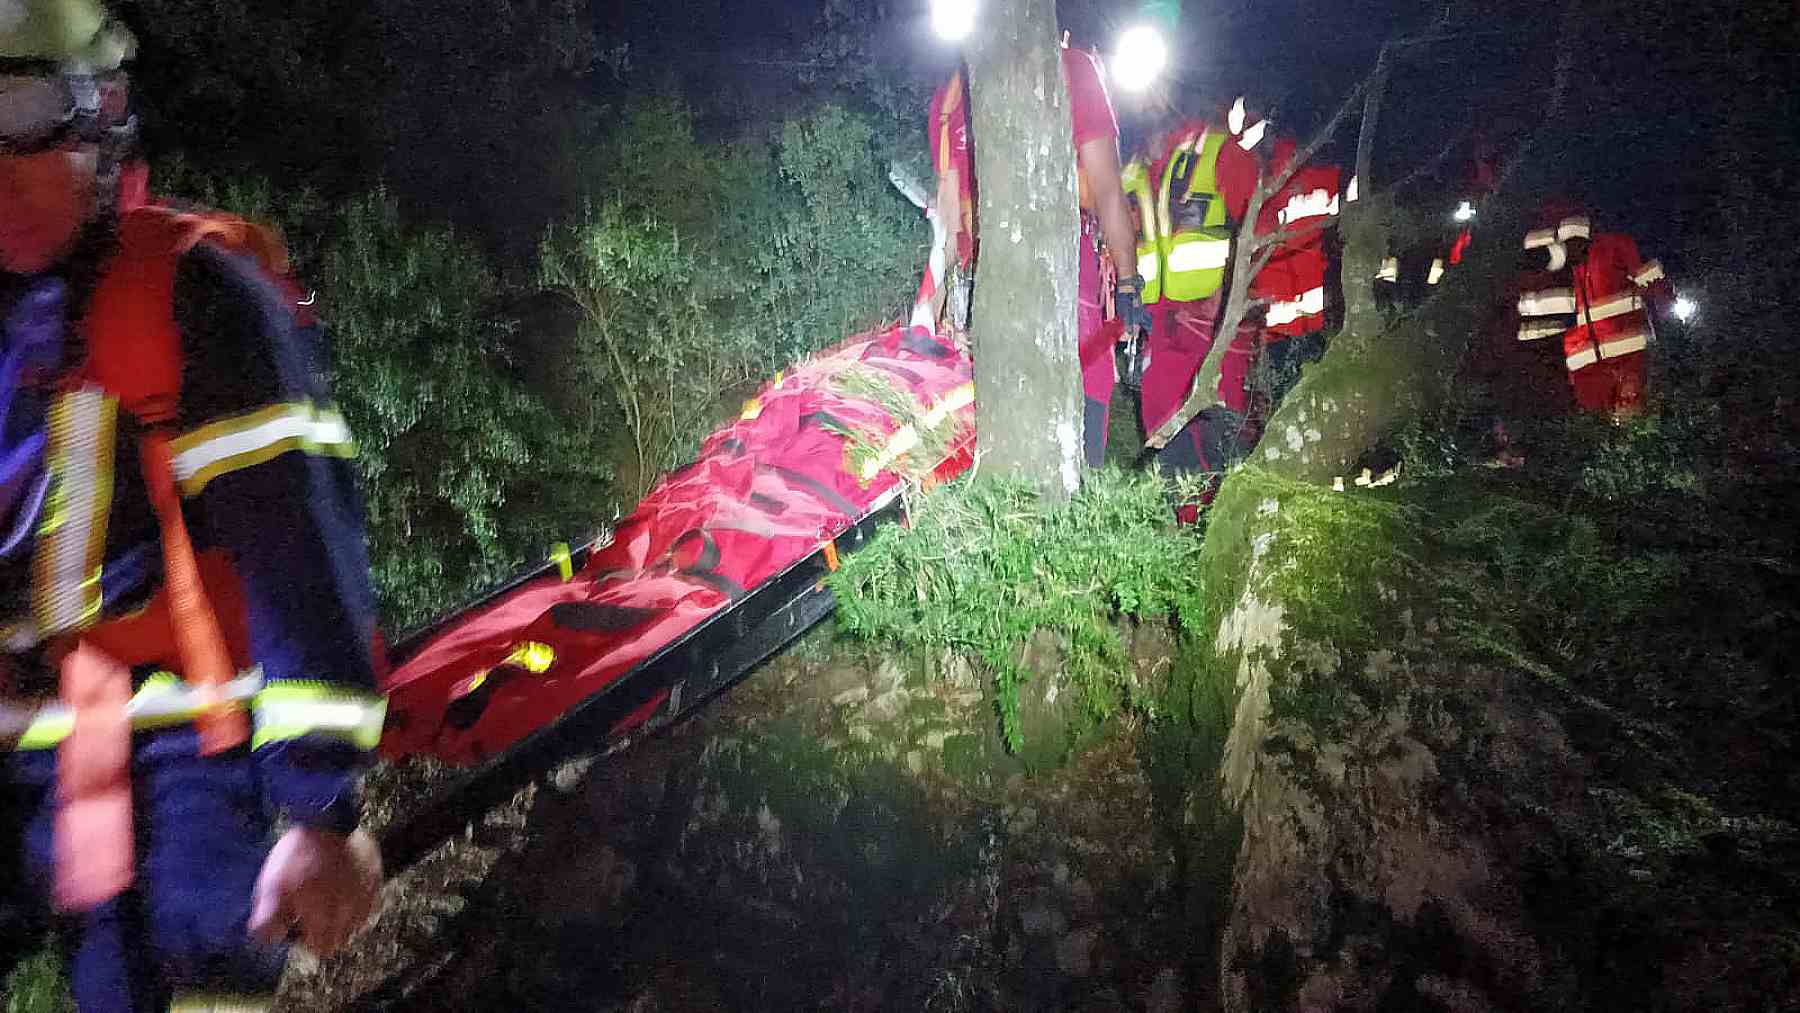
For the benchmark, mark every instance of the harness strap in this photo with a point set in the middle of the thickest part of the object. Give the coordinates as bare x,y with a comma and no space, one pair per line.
135,355
198,640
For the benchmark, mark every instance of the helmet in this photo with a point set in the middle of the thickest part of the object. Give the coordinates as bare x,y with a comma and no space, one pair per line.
73,36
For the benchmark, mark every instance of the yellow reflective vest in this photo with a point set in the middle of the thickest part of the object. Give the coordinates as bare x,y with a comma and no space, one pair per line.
1184,244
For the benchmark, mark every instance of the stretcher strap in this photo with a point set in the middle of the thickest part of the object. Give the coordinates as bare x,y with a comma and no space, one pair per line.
198,641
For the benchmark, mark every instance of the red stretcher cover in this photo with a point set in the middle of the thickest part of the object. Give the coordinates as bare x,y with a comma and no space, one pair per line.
766,491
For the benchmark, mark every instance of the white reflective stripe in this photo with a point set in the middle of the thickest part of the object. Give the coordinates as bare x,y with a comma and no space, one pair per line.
1625,344
226,446
1581,360
1200,255
66,566
1234,120
1316,204
1539,237
1390,270
1350,191
1437,271
1307,305
1532,330
906,437
1546,301
1254,135
1618,305
1559,256
1573,227
1147,267
1651,272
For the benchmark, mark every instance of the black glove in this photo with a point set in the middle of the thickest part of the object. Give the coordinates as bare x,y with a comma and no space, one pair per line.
1129,308
1133,350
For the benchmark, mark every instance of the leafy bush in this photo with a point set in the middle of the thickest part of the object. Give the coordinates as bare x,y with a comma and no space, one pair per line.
984,566
643,344
452,447
37,985
466,473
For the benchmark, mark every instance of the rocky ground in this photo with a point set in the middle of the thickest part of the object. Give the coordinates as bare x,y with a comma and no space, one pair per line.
1483,750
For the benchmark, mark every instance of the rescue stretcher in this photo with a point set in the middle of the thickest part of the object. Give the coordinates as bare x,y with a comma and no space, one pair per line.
721,565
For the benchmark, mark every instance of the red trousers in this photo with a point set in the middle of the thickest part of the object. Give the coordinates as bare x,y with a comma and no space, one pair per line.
1180,336
1096,343
1614,386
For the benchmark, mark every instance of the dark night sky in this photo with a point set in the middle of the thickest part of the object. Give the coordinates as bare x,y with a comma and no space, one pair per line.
1654,78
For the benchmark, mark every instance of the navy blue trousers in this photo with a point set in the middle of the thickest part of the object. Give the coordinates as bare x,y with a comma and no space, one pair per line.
202,835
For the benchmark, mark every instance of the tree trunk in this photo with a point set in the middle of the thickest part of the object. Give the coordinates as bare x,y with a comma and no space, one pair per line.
1028,410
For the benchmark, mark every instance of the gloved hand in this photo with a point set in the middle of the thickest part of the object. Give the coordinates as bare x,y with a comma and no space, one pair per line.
1129,308
1133,351
317,888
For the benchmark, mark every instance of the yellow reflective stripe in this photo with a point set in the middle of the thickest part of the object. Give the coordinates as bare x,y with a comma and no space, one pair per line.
246,441
47,730
66,565
1651,272
290,710
163,701
907,436
220,1002
1437,272
1390,270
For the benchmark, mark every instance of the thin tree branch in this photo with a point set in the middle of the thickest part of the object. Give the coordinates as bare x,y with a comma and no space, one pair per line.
1286,235
1376,84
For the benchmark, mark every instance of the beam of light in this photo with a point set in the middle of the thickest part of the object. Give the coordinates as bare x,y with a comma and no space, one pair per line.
1685,308
1140,59
1464,212
953,20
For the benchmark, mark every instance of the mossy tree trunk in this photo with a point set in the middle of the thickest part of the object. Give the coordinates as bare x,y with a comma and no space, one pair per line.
1027,367
1320,633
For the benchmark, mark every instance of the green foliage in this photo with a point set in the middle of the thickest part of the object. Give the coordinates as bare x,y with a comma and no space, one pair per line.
466,473
985,566
644,340
36,985
700,266
451,444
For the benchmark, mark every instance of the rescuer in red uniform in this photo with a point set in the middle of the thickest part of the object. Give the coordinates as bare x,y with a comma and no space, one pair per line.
1596,294
1191,190
1105,218
1294,282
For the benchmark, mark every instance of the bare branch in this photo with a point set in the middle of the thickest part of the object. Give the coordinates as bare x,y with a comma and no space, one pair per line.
1319,139
1286,235
1435,161
1375,84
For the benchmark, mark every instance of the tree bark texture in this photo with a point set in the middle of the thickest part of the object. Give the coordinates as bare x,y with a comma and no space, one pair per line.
1028,408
